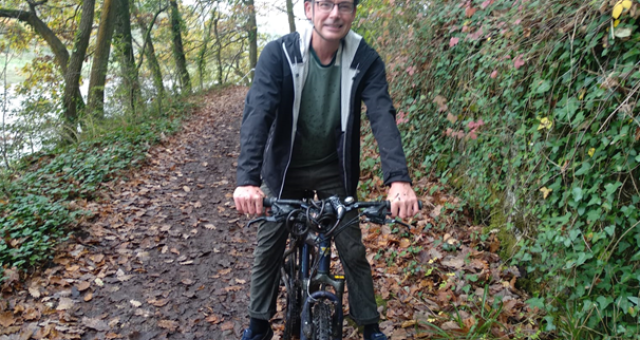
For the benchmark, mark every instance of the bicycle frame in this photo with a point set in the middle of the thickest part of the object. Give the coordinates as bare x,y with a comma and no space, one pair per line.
305,285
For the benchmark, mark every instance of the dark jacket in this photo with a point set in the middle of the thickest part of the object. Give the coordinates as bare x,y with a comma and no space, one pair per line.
271,111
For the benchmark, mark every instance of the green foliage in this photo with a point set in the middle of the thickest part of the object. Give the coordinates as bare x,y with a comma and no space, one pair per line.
536,101
40,200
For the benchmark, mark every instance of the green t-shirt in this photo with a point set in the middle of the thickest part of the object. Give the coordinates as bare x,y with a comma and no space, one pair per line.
319,117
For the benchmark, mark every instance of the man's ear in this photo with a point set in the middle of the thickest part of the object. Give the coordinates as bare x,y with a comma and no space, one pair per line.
308,9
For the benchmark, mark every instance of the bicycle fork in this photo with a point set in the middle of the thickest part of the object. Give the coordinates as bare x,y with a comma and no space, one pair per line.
322,278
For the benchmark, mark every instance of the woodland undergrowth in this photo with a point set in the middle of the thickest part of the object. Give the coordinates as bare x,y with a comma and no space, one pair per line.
44,195
529,109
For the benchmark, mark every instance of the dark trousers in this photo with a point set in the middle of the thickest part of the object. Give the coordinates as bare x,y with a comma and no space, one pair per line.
272,238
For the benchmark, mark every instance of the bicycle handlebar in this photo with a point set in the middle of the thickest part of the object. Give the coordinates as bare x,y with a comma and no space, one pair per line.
269,201
333,208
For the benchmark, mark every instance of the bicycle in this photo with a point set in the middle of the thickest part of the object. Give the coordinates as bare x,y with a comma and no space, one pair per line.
313,293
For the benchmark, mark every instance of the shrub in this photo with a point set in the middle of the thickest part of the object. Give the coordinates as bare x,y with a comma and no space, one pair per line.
531,107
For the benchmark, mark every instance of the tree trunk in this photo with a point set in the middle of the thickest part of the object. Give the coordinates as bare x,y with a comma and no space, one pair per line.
290,16
178,49
100,65
124,48
149,51
252,31
71,98
203,50
218,44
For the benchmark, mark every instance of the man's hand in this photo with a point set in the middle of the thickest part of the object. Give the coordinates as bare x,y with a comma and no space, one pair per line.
404,202
248,200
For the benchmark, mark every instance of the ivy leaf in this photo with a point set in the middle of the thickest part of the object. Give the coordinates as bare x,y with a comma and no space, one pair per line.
454,41
536,302
612,187
591,152
577,194
603,302
543,87
610,230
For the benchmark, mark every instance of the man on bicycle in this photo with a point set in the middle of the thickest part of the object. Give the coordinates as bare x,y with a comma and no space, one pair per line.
301,133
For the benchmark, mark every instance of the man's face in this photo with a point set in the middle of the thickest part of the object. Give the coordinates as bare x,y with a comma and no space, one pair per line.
331,18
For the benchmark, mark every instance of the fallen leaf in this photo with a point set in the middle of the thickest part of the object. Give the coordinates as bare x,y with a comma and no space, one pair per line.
121,276
88,297
186,188
6,319
95,324
241,281
408,324
233,288
83,285
99,282
158,303
227,326
450,326
214,319
168,324
135,303
31,314
210,226
35,292
64,304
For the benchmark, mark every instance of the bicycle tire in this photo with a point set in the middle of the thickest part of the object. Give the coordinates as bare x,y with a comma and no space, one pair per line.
293,304
321,318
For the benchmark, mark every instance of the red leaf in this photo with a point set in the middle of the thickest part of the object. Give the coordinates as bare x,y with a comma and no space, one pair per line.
453,41
470,11
494,74
518,62
486,4
411,70
402,118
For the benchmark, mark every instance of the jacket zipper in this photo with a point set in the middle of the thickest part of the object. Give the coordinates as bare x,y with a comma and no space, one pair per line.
294,128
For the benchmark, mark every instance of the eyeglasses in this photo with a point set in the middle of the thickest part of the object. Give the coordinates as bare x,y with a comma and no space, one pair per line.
343,7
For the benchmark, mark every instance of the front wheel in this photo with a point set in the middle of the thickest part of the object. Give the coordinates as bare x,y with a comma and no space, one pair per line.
321,318
294,298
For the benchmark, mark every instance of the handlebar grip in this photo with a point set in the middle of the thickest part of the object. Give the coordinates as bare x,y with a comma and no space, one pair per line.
388,204
267,202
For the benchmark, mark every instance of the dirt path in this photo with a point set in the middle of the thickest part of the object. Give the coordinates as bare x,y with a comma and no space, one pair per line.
166,257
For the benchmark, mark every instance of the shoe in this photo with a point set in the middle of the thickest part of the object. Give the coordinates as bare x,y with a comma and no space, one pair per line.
248,335
377,336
